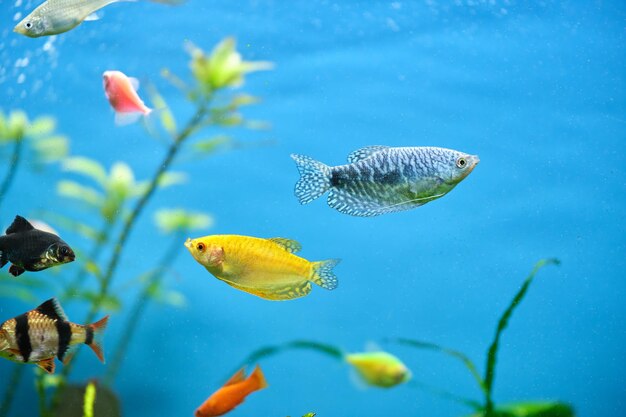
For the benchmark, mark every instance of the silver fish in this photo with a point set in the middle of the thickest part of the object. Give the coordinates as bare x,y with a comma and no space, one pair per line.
382,179
57,16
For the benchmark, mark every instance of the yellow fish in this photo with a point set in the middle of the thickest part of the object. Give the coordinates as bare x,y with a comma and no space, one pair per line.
380,369
266,268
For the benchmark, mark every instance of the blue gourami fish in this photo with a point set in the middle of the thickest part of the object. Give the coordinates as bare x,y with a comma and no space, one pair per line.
57,16
382,179
44,333
31,249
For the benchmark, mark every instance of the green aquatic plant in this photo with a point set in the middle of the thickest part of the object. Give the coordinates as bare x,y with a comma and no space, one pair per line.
215,107
47,146
485,383
118,201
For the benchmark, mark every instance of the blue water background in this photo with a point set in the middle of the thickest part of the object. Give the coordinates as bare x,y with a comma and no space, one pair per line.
536,89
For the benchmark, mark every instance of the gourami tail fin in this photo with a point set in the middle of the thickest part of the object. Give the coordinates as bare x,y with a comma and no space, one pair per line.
94,334
314,178
257,379
323,274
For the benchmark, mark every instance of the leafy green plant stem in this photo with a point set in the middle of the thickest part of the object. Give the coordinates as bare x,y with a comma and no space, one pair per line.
41,392
190,128
103,238
153,280
446,394
449,352
16,157
12,384
490,370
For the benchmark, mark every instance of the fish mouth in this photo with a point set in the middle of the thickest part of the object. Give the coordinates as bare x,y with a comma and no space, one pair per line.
188,243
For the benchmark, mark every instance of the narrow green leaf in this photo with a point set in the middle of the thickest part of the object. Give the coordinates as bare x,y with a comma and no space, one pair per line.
466,361
165,115
180,220
87,167
89,400
80,192
502,324
41,126
211,145
51,149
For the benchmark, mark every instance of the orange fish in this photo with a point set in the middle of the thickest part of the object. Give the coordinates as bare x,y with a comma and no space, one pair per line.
122,94
234,391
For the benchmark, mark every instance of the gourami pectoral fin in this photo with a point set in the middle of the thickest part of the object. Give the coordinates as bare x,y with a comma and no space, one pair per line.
365,153
47,365
289,245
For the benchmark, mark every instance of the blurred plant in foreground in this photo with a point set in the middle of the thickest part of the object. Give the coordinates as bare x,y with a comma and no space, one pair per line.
47,146
118,200
487,408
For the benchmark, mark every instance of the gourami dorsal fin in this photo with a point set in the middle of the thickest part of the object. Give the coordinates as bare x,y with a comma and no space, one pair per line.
289,245
52,309
20,224
239,376
365,153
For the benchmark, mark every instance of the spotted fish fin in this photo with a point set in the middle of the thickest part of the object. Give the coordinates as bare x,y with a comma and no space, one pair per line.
365,153
20,224
323,274
315,178
47,365
289,245
52,309
239,376
4,259
366,206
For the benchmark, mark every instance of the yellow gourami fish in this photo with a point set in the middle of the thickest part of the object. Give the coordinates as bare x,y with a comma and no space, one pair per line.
266,268
380,369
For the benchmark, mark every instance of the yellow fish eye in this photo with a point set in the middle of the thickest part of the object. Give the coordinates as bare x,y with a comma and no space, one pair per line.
201,247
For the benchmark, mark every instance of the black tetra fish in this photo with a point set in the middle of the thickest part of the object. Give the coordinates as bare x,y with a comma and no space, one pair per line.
43,333
30,249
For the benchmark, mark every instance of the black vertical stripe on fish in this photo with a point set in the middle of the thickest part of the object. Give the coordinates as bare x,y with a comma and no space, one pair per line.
65,335
88,335
22,336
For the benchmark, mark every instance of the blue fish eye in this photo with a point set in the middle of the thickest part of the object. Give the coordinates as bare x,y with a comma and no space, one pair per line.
28,25
461,162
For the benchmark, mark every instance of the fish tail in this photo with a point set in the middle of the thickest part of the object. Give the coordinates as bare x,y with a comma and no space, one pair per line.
315,178
257,379
323,274
94,334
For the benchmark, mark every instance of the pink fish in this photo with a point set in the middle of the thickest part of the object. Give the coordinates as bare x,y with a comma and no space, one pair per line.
122,94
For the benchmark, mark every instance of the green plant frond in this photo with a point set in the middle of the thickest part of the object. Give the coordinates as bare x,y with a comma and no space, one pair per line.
503,323
87,167
108,302
41,126
82,193
467,362
212,145
168,122
121,178
530,409
51,149
172,178
89,400
181,220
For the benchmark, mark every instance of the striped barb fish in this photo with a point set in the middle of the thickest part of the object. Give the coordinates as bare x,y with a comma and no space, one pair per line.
382,179
44,333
